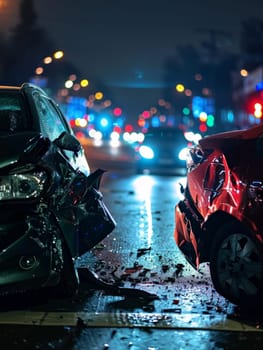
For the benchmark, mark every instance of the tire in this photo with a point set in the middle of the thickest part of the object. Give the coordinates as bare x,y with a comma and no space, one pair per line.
236,265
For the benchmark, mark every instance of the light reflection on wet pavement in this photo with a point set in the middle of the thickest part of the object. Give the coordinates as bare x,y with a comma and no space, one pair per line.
139,254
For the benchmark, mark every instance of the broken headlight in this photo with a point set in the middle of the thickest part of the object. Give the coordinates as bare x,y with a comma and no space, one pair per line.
22,186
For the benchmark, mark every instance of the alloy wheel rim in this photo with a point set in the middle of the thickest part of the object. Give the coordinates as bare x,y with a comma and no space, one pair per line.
239,266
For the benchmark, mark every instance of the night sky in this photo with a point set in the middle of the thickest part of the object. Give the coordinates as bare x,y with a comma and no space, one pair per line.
125,42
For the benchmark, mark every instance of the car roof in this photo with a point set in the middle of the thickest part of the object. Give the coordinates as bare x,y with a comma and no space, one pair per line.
22,87
8,87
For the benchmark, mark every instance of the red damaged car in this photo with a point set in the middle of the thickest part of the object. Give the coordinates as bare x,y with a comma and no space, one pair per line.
220,219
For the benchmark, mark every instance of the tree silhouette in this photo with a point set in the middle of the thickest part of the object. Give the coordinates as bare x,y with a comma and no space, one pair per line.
27,44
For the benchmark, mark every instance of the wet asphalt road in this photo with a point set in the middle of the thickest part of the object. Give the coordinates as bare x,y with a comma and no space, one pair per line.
140,254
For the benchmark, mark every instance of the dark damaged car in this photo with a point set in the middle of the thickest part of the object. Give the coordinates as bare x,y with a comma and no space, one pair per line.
220,218
51,208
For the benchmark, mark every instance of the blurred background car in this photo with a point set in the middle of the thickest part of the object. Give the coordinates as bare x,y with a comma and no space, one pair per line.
163,150
219,220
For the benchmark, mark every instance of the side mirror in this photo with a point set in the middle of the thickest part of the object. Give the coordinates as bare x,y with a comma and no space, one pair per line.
68,142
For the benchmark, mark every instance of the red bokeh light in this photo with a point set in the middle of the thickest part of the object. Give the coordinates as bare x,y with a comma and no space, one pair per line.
72,123
128,128
117,129
146,114
117,111
203,127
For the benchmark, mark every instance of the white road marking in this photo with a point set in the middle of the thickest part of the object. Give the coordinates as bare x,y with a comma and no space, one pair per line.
127,320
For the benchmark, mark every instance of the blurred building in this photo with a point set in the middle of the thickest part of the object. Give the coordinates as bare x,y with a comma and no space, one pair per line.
248,97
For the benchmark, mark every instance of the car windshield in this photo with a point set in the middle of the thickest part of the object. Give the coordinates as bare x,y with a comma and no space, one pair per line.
11,112
167,135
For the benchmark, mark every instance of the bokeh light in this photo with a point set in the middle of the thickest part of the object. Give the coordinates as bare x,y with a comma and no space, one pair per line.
58,54
47,60
39,70
180,88
84,83
99,95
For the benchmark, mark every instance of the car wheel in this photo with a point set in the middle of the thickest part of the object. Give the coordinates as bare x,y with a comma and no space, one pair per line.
236,265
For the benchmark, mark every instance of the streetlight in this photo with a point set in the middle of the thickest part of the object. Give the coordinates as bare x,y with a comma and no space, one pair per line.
58,54
40,77
3,4
48,60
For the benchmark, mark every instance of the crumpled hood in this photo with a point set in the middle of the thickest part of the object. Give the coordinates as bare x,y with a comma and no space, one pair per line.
221,139
12,147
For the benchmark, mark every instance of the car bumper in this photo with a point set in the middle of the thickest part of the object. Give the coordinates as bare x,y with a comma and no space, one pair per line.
25,266
184,236
27,254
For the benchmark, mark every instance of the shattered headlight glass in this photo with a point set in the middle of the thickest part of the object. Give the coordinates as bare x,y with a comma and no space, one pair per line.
22,186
